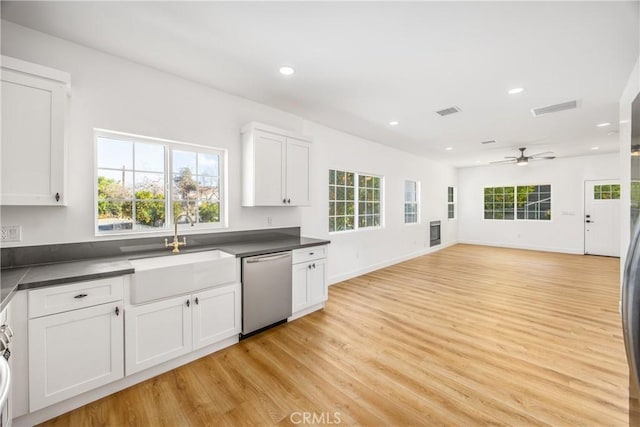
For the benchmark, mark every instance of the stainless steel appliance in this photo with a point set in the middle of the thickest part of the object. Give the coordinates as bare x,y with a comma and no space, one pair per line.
266,291
630,292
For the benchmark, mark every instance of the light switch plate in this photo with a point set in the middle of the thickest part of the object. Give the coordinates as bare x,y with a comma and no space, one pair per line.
11,233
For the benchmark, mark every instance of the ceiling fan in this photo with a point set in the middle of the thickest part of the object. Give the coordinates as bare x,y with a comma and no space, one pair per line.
523,160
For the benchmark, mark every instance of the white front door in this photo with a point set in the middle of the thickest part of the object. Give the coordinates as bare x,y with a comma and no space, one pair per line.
602,218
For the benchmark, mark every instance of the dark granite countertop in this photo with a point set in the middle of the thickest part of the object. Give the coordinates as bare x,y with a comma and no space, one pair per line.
244,249
51,274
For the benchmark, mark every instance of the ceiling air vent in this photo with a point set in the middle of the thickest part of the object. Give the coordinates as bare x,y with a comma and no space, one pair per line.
554,108
491,141
447,111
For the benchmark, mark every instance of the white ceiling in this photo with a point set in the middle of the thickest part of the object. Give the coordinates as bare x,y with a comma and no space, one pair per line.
362,64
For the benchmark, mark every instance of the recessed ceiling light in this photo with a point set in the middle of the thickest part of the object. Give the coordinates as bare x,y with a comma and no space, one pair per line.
449,148
595,148
602,125
287,71
515,90
394,123
478,162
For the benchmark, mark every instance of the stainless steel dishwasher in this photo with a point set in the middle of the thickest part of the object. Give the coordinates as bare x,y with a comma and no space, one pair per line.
266,291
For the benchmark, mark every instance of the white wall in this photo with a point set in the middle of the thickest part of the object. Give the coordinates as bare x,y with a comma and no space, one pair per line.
565,231
356,252
112,93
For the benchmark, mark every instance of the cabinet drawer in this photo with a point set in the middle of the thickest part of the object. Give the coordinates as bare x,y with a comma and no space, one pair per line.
56,299
309,254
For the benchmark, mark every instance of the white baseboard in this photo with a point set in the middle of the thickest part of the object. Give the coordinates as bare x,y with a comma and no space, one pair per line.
572,251
350,275
98,393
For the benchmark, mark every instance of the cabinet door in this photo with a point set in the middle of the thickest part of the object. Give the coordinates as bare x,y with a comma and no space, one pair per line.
157,332
269,178
33,128
216,315
74,352
317,282
300,289
297,175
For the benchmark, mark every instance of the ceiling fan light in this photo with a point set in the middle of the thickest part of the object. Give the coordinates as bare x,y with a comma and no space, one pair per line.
522,162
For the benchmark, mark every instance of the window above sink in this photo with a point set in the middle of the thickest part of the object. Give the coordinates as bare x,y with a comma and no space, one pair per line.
144,184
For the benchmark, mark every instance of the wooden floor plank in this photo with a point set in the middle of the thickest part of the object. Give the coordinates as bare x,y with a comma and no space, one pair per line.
469,335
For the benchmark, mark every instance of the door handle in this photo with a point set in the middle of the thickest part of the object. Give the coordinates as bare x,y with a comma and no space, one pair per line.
268,258
589,221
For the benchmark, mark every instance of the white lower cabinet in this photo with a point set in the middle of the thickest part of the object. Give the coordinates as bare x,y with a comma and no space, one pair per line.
216,315
73,352
163,330
309,278
157,332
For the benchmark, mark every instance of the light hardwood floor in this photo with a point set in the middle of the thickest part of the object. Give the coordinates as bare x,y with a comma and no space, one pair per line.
466,336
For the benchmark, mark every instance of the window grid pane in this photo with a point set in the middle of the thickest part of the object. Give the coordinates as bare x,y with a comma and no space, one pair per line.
498,203
534,202
369,192
410,202
606,192
341,200
451,210
196,191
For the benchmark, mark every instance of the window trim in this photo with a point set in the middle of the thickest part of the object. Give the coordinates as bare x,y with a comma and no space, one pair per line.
515,202
418,207
168,145
356,201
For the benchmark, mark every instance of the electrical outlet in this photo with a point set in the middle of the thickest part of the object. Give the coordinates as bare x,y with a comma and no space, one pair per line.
269,220
11,233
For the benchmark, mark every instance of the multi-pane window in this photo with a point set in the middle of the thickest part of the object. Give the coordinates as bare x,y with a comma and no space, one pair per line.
342,186
368,201
410,202
354,196
139,179
527,202
534,202
131,185
451,206
498,203
196,190
606,192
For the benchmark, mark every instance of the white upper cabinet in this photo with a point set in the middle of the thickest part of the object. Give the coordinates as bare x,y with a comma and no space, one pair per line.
275,167
34,132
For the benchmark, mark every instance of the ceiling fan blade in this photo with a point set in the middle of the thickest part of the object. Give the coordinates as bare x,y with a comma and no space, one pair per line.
541,154
510,157
542,158
505,161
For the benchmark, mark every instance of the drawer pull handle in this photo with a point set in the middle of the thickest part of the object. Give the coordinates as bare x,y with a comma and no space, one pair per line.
117,311
311,253
80,296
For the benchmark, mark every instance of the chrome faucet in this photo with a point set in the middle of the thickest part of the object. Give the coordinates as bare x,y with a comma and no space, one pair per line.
176,243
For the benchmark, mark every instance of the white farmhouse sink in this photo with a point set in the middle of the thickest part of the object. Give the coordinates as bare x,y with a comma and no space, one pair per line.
166,276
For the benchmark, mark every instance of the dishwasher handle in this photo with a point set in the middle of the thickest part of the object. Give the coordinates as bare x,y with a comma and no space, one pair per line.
268,258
